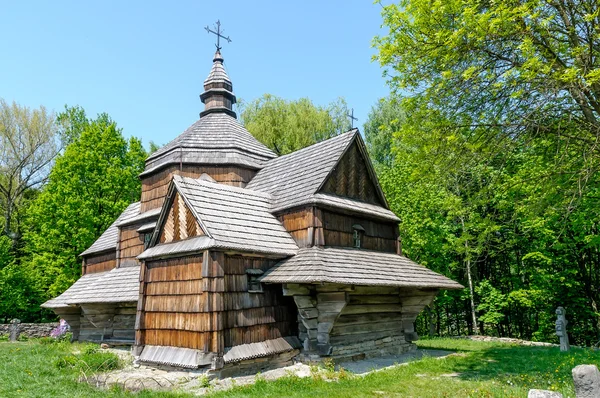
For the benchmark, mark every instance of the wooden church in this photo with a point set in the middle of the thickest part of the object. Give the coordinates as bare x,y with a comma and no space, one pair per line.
237,260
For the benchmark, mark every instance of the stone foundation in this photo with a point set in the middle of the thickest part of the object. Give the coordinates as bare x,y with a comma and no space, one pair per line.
31,330
253,366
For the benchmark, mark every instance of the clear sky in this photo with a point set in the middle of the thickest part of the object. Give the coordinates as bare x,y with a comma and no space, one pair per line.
143,62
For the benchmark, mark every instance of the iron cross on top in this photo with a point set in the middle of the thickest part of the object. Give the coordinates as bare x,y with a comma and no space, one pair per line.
352,118
219,33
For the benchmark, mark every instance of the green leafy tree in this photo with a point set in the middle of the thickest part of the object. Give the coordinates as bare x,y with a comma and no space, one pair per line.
28,146
385,118
286,126
495,71
90,184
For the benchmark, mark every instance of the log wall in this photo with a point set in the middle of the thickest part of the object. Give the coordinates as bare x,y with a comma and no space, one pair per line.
156,185
107,322
351,178
99,262
377,321
338,231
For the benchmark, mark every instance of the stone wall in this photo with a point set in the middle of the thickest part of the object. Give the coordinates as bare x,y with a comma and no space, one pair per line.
31,329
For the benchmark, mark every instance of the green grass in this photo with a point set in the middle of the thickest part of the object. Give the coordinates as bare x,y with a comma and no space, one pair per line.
480,369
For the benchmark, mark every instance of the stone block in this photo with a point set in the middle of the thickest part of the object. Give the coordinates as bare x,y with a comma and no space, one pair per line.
543,394
587,381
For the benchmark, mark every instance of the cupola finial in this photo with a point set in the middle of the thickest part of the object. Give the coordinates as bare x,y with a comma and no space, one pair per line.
218,94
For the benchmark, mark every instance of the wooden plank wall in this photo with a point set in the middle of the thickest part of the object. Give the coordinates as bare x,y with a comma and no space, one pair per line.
351,178
176,309
180,222
111,321
303,225
99,262
338,231
131,245
155,186
254,317
202,302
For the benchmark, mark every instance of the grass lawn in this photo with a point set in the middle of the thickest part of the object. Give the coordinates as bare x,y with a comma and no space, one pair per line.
479,369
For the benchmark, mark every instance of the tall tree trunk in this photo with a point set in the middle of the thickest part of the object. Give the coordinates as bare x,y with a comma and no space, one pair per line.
470,279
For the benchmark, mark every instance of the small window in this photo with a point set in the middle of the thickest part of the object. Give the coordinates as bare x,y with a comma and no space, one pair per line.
254,285
147,239
357,236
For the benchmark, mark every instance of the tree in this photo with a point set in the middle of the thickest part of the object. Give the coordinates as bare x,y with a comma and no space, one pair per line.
498,70
385,118
90,184
28,145
286,126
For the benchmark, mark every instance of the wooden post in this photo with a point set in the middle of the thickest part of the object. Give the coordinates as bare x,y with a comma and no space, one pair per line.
14,330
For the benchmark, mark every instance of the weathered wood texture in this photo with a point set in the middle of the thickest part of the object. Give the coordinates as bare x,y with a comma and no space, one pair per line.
304,225
346,321
180,222
203,302
171,303
155,186
338,231
131,245
107,322
351,178
99,262
253,317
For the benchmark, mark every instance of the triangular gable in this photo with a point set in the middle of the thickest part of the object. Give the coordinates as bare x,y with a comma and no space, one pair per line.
177,221
353,176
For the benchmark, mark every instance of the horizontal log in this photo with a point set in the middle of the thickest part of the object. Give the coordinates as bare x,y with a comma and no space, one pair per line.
373,308
339,330
374,299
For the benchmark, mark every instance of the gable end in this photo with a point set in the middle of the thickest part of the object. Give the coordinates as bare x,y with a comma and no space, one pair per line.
353,177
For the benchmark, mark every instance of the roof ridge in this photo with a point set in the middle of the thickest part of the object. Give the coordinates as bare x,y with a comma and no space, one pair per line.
224,187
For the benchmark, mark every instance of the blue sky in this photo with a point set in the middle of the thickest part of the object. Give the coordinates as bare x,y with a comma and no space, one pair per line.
143,62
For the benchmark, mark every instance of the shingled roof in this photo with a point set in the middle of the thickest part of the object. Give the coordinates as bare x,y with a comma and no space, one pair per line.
295,179
233,218
215,139
109,238
355,267
115,286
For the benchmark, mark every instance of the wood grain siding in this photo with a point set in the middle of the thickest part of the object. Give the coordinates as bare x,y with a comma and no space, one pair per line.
377,235
155,186
180,222
303,225
351,178
99,262
131,245
174,309
254,317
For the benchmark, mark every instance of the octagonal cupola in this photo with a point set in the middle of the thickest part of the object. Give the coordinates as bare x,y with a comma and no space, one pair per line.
218,94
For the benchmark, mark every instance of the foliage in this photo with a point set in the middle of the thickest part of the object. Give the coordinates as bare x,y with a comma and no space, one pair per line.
90,184
286,126
28,145
494,167
384,119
